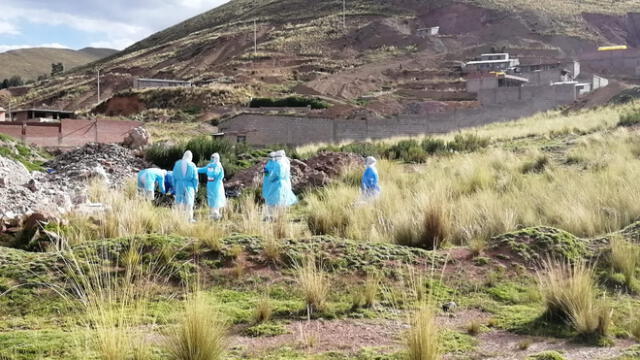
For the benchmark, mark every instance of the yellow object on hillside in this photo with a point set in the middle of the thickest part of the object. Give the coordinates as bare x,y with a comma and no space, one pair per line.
612,48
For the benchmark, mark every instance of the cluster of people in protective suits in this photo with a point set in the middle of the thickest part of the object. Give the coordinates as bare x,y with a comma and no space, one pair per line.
277,190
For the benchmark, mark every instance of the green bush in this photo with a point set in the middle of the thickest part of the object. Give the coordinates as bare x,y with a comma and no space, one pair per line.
234,157
467,143
629,119
407,150
291,101
434,146
413,151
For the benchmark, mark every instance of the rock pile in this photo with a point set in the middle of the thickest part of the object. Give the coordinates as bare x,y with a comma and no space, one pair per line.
113,163
314,172
64,184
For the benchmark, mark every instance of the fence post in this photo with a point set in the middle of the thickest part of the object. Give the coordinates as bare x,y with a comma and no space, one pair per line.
60,133
24,133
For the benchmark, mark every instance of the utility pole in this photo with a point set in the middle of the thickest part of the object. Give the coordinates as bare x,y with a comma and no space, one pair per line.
98,69
255,32
344,14
255,38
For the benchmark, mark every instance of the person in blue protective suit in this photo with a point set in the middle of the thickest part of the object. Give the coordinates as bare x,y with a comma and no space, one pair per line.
268,171
370,181
149,180
216,197
278,190
168,183
185,178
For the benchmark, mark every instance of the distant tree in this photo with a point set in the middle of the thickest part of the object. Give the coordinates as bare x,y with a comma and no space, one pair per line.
57,69
4,84
42,77
15,81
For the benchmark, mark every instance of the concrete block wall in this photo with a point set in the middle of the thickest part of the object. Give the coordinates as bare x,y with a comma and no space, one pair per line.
551,95
501,104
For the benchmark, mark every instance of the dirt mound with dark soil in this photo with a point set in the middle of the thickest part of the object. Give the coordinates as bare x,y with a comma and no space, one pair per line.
314,172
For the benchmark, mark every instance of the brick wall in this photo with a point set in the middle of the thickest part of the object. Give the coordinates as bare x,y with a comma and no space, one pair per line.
73,132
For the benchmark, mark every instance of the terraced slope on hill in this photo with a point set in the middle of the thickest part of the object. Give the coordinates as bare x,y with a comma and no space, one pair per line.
303,47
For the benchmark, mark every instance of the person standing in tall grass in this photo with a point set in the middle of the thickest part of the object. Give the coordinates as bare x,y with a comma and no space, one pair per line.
370,181
216,197
277,188
185,177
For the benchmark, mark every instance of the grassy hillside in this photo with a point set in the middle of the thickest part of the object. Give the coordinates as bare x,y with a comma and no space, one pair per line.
565,15
98,53
31,63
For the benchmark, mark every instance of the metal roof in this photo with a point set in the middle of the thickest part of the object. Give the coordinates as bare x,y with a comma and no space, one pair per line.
44,110
489,61
163,80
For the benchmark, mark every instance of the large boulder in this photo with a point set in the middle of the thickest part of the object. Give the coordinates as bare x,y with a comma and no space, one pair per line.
137,138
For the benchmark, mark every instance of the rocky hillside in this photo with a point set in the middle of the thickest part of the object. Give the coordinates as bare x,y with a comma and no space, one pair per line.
31,63
304,48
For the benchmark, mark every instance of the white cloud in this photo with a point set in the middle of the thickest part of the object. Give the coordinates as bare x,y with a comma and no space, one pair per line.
118,23
8,29
4,48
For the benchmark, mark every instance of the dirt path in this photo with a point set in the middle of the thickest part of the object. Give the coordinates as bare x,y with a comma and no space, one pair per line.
503,345
351,335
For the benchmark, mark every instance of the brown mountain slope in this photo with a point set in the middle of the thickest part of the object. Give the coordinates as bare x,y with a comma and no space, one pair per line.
31,63
303,47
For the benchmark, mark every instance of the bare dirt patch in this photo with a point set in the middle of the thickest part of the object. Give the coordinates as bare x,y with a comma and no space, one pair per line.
504,345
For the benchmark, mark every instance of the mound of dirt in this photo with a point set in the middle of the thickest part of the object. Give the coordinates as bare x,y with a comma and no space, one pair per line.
531,246
317,171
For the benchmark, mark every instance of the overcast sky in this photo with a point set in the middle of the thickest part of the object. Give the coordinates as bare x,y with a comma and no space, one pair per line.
98,23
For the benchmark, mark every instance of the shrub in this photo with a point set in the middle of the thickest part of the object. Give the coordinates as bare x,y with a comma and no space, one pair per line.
331,217
467,143
434,146
291,101
430,234
629,119
263,311
537,165
547,355
314,283
364,149
625,258
570,295
200,335
406,150
474,328
423,341
370,290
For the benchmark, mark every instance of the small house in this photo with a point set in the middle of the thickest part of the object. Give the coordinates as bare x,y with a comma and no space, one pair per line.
492,62
40,115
